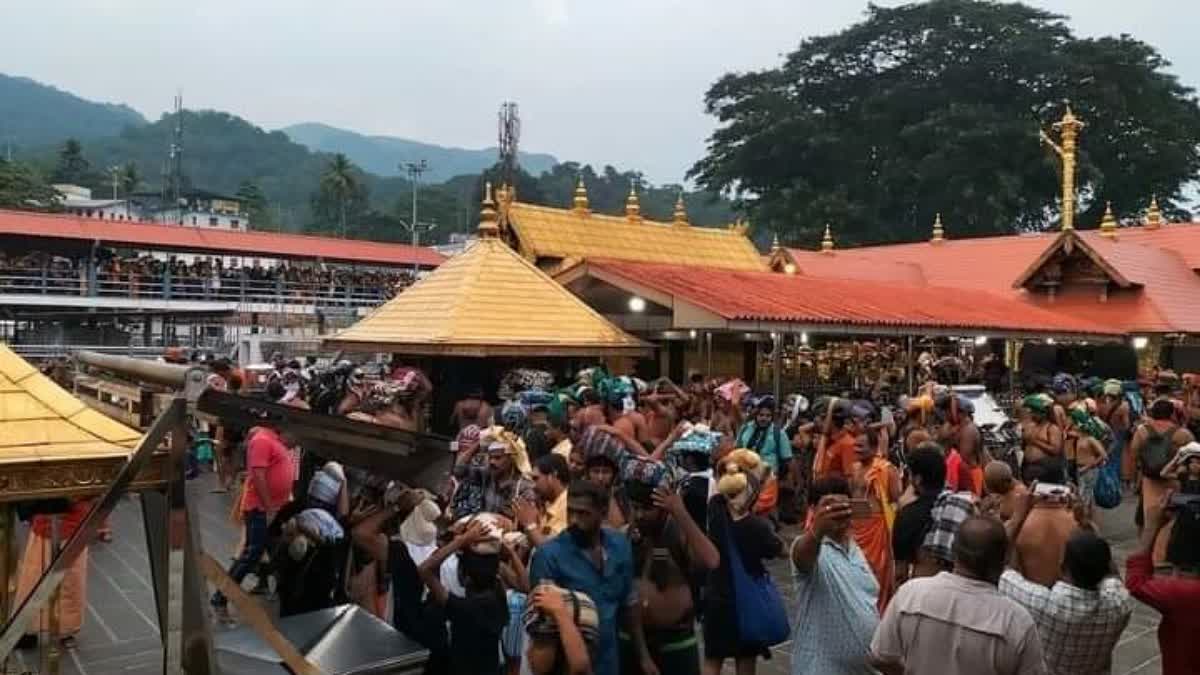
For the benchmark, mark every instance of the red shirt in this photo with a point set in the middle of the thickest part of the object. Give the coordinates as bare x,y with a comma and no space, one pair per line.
266,450
1178,600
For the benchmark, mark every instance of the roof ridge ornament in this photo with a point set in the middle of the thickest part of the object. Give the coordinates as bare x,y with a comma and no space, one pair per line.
827,240
775,245
633,208
1108,224
488,227
1154,219
580,202
679,216
939,232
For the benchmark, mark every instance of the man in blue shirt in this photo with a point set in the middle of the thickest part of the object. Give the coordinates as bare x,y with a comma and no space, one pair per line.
598,562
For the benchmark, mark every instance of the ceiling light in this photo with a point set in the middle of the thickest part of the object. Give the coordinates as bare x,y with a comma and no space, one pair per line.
637,304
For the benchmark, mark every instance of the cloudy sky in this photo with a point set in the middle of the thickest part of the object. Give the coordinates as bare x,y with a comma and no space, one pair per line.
602,81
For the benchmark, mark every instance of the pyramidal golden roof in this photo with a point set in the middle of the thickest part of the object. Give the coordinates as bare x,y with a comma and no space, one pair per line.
487,301
545,232
40,420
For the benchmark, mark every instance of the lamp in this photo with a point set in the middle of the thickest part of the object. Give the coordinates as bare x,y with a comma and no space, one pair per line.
637,304
1140,342
981,340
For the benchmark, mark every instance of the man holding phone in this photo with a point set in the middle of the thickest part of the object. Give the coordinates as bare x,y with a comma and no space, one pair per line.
833,579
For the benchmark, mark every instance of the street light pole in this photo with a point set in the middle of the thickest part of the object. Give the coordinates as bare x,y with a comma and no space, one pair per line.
415,170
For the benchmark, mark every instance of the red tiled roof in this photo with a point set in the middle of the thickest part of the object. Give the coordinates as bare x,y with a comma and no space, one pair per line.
197,239
1162,262
766,296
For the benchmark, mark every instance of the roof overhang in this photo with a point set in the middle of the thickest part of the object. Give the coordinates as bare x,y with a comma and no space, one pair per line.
686,315
474,350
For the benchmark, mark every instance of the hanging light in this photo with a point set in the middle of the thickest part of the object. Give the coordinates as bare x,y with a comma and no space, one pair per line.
1140,342
981,340
692,333
637,304
804,338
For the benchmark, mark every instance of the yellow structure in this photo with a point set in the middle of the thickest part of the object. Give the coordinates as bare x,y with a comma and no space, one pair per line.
1069,127
827,240
51,444
1154,219
488,301
939,232
1108,224
555,238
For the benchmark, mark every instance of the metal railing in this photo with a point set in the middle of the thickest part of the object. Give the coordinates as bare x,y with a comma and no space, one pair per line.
242,290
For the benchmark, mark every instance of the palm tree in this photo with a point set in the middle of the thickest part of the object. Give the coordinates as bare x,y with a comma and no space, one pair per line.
341,182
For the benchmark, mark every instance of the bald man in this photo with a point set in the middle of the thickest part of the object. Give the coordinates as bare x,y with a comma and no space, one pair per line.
999,480
957,622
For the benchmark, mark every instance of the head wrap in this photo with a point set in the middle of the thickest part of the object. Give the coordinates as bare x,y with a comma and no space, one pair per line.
762,401
741,475
523,379
579,605
1188,451
556,410
325,486
1113,388
599,445
641,477
499,439
410,381
490,545
617,391
319,526
733,389
796,405
1086,423
514,415
468,435
1062,383
1039,403
420,527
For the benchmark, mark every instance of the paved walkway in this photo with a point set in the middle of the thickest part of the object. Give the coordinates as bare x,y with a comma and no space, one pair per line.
120,634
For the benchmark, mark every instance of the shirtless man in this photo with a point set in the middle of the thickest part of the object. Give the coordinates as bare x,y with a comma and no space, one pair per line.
661,410
1083,443
1161,423
472,410
627,422
1114,409
1003,488
1043,442
1038,550
591,413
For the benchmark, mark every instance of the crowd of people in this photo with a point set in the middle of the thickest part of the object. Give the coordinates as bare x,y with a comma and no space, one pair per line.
201,278
619,526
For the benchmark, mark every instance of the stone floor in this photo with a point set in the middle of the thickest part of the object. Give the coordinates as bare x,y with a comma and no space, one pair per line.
120,634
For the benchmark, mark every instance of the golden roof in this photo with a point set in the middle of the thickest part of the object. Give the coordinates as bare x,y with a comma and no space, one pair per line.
487,301
545,232
39,420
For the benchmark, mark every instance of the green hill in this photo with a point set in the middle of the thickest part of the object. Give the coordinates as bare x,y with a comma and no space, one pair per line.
34,114
383,155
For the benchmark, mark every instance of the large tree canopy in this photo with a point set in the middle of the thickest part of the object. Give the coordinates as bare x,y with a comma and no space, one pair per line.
936,107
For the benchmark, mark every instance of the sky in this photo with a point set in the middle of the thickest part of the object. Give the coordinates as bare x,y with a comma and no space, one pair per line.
617,82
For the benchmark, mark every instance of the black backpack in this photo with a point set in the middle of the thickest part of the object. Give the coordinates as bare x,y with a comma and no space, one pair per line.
1156,452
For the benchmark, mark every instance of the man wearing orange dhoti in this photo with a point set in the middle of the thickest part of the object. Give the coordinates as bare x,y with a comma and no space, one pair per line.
876,489
36,560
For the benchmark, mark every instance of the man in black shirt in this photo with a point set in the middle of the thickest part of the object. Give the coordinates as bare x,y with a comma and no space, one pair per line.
927,472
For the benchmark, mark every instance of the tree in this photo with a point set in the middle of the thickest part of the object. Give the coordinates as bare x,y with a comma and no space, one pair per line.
936,107
129,178
72,167
342,192
254,203
22,188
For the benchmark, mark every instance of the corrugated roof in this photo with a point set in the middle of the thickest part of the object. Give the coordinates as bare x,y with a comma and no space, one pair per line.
545,232
1163,262
41,421
487,301
200,240
764,296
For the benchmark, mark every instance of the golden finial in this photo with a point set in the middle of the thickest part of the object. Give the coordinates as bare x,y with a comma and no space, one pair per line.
1068,127
633,209
827,240
1153,215
581,198
487,214
1108,224
775,245
679,216
939,233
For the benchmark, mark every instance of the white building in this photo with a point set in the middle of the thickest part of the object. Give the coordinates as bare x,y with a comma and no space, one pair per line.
78,201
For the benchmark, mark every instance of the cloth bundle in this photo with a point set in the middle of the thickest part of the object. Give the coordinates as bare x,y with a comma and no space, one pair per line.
522,379
587,619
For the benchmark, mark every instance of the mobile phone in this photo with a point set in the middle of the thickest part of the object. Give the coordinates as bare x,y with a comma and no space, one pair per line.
1051,490
860,507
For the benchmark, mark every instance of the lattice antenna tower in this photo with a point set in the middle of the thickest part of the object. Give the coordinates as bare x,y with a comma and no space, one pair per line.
177,155
509,140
